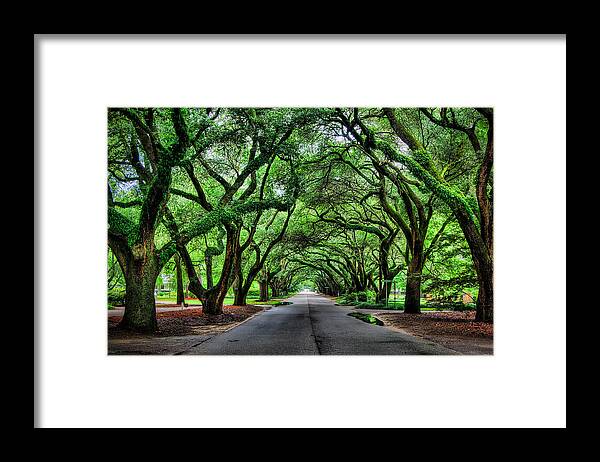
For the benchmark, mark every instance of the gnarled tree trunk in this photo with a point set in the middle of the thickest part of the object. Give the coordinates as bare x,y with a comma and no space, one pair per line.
140,281
213,303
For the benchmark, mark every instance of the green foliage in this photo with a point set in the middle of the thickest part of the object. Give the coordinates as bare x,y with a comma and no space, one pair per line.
452,197
361,296
354,298
116,297
369,318
353,186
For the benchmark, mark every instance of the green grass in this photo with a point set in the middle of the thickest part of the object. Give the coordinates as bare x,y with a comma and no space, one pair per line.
174,300
399,305
366,318
391,304
252,300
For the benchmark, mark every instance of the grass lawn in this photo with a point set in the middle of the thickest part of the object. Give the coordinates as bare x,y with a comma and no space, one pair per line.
399,305
173,299
252,300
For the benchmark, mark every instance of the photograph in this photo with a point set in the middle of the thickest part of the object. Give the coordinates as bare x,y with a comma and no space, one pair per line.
300,231
295,231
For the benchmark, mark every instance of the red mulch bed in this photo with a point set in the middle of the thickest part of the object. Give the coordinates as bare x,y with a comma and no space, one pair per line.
187,322
454,323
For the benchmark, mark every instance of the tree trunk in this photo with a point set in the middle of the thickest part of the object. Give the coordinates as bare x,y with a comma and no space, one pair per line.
180,291
140,307
264,291
241,296
209,277
386,288
274,289
412,300
213,304
481,253
485,298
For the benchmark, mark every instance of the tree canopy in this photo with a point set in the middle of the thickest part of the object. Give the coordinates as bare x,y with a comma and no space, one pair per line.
346,200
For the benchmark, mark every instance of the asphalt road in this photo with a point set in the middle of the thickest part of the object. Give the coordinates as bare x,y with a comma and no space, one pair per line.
313,325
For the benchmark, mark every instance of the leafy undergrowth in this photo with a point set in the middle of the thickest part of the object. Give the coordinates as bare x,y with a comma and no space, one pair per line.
395,306
366,318
188,322
448,323
377,306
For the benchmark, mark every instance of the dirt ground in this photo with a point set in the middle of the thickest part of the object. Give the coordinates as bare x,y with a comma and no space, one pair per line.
457,330
187,322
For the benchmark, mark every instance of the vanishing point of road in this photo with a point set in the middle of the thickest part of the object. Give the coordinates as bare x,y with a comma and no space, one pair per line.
313,325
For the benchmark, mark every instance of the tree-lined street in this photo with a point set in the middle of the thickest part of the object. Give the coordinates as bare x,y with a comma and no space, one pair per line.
383,208
313,325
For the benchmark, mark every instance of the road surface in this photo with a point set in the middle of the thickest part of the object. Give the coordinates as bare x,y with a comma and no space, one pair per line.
313,325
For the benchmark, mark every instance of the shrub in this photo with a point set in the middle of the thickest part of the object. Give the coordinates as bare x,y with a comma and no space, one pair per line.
116,297
347,299
355,298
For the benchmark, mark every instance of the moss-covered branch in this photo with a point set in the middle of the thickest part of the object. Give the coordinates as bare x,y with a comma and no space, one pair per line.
221,216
